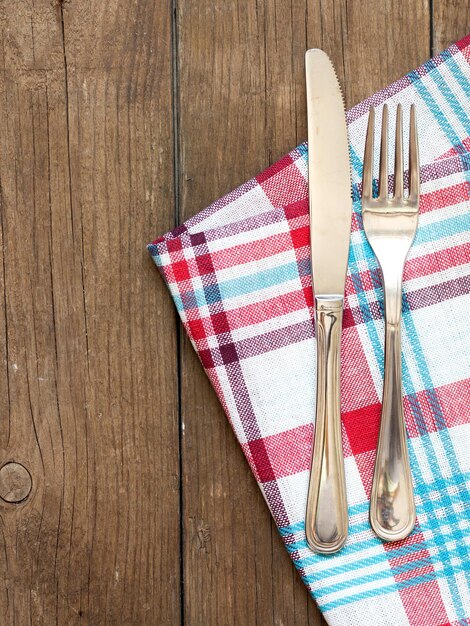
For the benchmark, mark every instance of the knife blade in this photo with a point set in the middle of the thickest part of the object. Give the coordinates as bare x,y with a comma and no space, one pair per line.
330,207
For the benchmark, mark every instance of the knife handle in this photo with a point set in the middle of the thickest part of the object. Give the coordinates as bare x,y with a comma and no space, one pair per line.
326,524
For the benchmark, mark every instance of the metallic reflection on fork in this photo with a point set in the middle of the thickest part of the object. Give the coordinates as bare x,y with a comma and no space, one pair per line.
390,224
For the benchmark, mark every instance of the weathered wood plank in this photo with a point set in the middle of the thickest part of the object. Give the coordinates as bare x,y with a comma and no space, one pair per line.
88,374
228,562
241,106
371,46
451,22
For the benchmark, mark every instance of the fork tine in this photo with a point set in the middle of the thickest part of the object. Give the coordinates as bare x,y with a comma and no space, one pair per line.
398,189
368,157
414,157
383,171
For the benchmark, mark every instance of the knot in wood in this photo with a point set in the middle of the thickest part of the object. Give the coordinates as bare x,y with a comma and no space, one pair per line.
15,482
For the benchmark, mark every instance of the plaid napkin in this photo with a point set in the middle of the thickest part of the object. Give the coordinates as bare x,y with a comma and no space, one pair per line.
239,273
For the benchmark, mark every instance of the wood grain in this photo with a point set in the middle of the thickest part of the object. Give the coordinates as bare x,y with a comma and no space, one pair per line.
451,22
228,563
88,374
94,99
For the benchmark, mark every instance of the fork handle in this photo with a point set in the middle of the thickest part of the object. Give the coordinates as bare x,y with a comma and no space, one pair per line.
392,508
326,523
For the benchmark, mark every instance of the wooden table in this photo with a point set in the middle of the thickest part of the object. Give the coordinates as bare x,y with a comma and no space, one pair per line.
124,497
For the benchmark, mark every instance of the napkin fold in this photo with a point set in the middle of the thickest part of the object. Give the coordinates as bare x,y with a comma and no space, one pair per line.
239,274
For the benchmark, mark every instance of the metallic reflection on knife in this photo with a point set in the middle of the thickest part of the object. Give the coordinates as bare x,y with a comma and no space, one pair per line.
330,227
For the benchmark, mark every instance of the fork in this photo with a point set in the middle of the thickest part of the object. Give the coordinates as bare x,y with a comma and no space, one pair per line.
390,224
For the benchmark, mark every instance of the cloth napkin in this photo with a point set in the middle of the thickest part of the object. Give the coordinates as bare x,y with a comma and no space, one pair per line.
239,274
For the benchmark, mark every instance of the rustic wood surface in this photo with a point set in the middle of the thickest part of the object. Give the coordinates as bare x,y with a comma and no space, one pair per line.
124,497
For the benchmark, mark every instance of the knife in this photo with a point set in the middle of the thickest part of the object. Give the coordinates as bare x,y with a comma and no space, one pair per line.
330,205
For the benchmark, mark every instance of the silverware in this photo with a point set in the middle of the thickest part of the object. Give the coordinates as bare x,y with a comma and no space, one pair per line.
390,224
330,225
